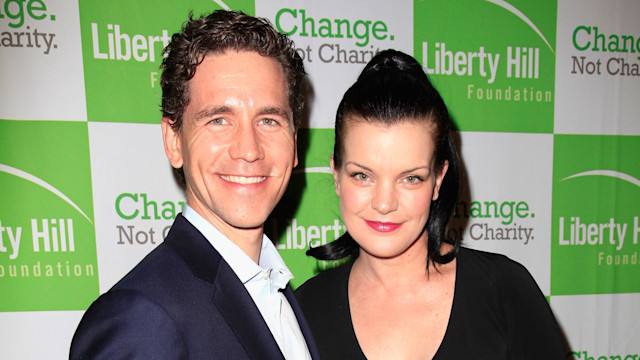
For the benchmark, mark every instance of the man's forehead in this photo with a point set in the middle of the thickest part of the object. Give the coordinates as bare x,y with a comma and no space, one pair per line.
245,73
239,64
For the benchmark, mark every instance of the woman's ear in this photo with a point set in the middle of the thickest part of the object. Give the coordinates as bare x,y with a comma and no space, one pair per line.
439,179
336,181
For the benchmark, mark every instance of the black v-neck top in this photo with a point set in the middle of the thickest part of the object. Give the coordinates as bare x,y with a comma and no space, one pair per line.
498,312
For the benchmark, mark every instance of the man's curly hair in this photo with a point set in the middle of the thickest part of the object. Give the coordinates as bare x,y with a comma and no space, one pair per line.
214,34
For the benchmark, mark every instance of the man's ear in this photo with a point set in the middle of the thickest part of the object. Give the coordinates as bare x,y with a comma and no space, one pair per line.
336,181
172,143
295,148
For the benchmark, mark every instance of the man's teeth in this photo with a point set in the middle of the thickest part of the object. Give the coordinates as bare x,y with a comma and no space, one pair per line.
244,180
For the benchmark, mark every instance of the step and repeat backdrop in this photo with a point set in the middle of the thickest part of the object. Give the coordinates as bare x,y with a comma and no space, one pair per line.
545,95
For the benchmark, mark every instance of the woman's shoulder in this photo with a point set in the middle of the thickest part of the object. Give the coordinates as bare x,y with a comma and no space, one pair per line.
495,268
489,260
504,291
493,281
326,281
325,295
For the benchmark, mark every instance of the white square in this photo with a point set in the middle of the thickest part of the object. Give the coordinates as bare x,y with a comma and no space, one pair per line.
132,182
43,79
333,63
592,97
37,334
509,178
599,325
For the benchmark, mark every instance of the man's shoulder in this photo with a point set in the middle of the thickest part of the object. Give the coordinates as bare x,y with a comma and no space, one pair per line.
183,254
151,269
158,295
119,322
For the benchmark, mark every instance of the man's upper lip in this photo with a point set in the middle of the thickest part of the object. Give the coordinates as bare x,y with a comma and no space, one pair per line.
244,179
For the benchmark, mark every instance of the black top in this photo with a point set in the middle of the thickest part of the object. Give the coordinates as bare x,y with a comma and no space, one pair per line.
498,312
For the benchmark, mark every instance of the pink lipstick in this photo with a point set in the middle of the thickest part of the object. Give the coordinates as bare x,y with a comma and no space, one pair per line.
383,226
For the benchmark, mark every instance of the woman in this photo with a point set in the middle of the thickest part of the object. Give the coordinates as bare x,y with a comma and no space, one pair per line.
411,293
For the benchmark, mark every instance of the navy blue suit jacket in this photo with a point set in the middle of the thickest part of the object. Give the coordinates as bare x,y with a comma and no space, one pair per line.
182,301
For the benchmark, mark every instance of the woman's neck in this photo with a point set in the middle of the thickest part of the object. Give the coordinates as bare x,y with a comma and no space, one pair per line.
406,271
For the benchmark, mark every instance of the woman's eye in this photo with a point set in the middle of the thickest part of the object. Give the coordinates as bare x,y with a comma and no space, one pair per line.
361,176
412,179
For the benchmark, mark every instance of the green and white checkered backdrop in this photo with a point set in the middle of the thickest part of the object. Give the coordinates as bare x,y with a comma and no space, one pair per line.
545,94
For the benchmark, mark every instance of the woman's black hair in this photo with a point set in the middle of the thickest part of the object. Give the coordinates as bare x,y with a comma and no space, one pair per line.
393,88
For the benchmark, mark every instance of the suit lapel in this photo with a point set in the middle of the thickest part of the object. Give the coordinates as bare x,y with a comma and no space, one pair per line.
229,296
242,315
304,327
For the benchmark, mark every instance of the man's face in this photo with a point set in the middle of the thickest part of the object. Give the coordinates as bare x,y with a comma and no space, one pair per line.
237,145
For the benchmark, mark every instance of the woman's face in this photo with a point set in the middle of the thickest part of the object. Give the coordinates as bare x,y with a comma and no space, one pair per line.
386,183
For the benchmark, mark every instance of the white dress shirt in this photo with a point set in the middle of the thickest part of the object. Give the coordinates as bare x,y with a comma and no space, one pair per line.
263,281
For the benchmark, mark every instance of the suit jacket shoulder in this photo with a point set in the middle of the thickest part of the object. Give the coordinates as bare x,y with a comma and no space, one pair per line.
182,296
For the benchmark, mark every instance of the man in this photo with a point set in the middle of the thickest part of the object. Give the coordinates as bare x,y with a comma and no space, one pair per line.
216,287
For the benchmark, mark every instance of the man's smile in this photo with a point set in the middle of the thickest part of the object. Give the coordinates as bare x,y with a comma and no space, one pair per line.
243,179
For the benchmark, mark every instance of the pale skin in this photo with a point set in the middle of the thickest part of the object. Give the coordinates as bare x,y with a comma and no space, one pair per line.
386,183
237,144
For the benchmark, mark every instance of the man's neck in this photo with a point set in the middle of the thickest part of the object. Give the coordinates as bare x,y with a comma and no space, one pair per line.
249,240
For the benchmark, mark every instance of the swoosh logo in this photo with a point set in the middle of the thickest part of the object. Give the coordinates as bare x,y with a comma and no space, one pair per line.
222,4
36,180
609,173
322,170
512,9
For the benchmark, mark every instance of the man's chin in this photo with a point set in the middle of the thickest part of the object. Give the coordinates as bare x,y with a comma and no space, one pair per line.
248,226
254,223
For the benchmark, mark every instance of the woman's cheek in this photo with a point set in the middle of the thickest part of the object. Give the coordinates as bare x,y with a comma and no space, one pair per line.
353,198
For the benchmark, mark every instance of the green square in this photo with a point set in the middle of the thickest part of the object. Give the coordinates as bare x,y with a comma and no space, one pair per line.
596,192
45,178
309,211
122,43
518,37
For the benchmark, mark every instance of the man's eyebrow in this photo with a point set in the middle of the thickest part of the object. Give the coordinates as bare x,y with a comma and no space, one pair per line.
217,110
212,111
275,110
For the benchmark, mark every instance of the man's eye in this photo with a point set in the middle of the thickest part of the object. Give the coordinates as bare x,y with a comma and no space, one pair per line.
218,121
269,122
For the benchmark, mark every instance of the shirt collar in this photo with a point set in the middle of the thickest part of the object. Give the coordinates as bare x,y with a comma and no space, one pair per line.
270,264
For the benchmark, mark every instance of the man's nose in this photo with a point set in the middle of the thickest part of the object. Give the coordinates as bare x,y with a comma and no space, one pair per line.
246,144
